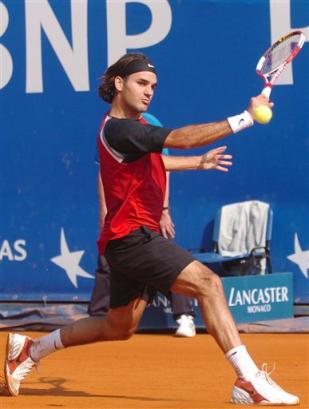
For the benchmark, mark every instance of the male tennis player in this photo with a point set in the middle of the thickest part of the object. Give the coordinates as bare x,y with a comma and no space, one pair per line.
141,260
182,306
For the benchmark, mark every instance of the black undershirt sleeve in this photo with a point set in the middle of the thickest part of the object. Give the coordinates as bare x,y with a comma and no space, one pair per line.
134,139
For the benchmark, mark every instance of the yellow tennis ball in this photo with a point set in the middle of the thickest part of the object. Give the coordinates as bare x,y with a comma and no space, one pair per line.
262,114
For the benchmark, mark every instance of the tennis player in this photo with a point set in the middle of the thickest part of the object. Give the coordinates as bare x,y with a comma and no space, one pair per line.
133,172
182,306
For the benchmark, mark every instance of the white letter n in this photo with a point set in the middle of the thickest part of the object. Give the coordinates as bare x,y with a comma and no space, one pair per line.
40,16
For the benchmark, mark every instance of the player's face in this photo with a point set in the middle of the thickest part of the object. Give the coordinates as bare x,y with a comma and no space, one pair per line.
137,90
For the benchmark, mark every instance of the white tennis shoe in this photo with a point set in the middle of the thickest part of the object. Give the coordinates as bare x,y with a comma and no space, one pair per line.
18,362
186,326
261,389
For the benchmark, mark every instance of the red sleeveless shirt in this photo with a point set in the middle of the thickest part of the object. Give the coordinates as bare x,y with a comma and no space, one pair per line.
134,191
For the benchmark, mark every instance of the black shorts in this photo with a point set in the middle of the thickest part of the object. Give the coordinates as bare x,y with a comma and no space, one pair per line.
142,263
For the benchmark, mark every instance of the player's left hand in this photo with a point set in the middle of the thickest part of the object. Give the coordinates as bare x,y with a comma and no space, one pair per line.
166,225
216,159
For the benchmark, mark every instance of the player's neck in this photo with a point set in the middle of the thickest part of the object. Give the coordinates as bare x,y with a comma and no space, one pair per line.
121,112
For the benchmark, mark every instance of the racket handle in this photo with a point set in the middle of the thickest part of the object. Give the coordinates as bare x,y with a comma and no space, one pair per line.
267,91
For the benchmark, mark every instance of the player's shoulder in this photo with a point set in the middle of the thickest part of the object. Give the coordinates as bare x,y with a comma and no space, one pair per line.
118,124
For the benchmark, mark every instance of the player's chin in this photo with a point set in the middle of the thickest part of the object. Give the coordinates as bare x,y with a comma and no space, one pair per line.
144,106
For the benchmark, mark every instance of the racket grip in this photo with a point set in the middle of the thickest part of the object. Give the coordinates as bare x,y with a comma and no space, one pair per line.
267,91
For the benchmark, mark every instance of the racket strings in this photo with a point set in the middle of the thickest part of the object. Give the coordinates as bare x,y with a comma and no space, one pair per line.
279,54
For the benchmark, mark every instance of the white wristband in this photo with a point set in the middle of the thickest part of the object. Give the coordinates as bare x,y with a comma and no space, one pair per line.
240,122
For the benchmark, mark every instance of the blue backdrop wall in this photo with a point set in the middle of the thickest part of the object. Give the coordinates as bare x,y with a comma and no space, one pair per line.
52,54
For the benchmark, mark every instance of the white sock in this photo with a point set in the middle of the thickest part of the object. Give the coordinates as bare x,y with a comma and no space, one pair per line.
242,362
46,345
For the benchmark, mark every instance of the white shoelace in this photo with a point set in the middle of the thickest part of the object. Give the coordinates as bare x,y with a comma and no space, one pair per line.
266,375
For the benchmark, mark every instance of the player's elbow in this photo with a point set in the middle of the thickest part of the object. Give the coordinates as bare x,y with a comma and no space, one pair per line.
178,139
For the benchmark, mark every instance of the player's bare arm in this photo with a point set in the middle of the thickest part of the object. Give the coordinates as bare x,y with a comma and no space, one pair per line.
102,203
167,226
214,159
193,136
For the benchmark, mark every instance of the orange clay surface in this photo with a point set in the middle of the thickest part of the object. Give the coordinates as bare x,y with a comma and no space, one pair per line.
155,371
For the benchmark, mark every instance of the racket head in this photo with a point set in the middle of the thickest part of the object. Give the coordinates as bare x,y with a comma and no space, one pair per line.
275,58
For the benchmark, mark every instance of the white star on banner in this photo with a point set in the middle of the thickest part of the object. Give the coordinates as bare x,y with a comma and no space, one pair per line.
301,258
69,261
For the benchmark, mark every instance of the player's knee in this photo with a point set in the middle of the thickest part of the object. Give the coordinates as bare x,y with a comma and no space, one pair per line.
125,333
128,333
121,330
210,285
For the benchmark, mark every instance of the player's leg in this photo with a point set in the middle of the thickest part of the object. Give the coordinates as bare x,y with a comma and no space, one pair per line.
23,352
119,324
198,281
253,386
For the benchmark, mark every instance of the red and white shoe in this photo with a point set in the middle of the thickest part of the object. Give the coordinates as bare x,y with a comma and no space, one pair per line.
18,362
261,390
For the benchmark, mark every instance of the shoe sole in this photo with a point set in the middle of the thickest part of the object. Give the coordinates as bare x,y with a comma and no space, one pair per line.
244,398
183,335
6,370
263,403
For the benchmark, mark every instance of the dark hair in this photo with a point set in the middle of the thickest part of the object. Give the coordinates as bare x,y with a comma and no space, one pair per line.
107,86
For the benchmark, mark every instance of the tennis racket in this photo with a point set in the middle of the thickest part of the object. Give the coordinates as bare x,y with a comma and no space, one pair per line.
275,59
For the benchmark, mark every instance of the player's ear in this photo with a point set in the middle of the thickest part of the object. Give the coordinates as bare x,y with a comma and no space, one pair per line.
119,81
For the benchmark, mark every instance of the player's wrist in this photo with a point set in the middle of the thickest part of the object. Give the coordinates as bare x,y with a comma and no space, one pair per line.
241,121
165,209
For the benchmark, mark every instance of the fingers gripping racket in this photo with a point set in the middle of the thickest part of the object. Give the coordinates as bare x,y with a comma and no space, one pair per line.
275,59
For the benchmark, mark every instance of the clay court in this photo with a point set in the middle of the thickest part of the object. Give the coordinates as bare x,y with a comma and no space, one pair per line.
156,371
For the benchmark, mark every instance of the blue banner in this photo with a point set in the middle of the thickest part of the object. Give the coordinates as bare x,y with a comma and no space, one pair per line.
52,54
